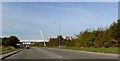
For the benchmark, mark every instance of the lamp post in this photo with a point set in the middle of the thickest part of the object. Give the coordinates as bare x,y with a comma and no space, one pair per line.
59,33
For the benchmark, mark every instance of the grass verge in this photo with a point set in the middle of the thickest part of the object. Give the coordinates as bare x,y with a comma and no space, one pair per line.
4,50
91,49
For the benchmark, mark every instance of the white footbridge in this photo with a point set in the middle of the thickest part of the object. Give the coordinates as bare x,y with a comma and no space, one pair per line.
28,42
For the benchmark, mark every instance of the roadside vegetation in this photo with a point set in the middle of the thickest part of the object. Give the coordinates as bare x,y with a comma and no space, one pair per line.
98,40
8,44
91,49
4,50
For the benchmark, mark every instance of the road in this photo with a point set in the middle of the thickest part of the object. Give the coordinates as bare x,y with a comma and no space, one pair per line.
54,53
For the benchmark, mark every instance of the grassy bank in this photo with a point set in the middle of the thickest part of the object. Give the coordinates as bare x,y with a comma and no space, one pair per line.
91,49
4,50
102,50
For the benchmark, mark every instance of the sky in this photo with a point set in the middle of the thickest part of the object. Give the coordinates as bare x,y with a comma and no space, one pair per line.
26,19
0,19
59,0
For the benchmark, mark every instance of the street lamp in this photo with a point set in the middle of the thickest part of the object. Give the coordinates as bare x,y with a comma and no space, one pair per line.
59,33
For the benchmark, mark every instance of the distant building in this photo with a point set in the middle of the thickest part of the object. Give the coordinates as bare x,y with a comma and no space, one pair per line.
69,37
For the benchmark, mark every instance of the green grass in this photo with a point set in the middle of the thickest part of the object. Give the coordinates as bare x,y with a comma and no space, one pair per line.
91,49
4,50
102,50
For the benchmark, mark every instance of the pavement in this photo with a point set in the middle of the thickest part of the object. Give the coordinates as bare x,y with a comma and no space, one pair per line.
3,56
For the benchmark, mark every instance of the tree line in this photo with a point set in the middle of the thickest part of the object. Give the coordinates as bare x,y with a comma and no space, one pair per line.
109,37
9,41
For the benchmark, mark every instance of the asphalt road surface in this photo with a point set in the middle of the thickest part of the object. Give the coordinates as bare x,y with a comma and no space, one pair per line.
54,53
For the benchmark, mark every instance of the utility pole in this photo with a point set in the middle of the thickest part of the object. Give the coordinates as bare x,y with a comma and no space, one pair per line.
42,38
59,35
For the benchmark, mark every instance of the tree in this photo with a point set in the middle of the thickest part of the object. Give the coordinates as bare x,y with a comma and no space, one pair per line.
0,41
53,42
13,41
10,41
108,37
115,32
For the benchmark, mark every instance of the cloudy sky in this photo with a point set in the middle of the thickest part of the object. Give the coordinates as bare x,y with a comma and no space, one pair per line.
25,20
